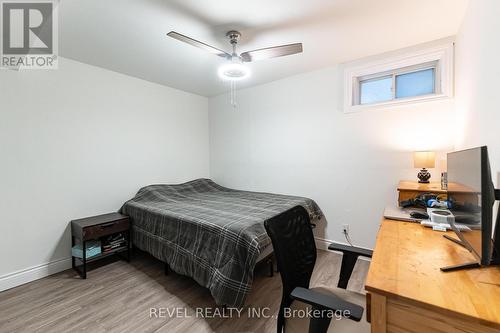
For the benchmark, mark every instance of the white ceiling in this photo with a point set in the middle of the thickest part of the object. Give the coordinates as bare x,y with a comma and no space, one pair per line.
128,36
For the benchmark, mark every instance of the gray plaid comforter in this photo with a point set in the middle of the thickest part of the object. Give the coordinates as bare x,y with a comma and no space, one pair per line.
208,232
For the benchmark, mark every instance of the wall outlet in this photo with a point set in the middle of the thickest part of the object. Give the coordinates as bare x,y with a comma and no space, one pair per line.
345,228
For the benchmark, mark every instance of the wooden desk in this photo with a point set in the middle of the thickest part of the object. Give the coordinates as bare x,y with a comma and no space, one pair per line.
408,292
408,189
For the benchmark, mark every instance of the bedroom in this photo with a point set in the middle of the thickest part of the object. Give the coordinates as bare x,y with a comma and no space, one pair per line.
117,106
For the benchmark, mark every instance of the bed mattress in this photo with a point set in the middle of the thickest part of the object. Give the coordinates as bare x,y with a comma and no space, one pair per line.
211,233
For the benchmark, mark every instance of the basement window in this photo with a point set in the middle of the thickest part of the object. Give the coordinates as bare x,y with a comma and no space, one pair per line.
422,76
405,82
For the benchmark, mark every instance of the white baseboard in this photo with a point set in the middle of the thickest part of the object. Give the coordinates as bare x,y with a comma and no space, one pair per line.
23,276
18,278
322,244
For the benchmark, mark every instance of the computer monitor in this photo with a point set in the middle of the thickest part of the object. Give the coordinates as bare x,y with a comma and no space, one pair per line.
472,196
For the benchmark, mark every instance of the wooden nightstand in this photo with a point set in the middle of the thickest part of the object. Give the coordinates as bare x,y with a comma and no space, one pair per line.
410,189
99,228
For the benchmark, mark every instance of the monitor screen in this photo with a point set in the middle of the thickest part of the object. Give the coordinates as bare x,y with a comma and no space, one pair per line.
465,176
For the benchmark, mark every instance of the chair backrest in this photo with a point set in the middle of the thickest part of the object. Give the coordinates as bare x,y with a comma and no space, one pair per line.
294,248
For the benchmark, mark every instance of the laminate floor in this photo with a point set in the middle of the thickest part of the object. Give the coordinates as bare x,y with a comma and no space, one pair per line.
138,297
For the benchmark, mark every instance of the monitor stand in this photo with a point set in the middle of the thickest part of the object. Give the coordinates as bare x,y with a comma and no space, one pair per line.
495,260
460,266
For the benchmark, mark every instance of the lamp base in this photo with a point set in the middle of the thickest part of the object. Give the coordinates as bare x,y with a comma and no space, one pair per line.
423,176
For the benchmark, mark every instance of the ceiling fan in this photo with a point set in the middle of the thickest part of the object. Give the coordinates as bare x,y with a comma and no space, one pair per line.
235,70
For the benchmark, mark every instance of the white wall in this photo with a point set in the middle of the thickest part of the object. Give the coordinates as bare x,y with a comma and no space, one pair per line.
478,73
291,137
80,141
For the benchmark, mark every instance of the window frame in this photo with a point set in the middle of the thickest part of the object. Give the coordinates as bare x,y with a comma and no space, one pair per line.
439,57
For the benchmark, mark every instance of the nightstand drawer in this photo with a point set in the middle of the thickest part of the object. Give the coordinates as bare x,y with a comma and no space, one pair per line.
96,231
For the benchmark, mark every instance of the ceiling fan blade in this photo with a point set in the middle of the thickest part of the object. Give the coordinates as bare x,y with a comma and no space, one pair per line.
271,52
198,44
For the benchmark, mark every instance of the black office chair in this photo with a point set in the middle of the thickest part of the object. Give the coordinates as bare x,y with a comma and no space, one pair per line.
295,251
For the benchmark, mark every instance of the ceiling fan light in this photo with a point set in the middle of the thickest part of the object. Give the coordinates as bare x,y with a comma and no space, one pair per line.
234,72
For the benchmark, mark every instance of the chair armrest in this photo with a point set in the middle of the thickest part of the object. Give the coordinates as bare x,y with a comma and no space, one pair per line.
331,302
350,250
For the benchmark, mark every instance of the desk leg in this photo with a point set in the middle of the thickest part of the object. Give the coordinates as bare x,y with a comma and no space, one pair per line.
378,313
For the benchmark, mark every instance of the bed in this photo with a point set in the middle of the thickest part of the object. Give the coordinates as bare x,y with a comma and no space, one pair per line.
210,233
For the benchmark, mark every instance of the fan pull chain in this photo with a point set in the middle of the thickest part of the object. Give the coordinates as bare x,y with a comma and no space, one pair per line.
233,94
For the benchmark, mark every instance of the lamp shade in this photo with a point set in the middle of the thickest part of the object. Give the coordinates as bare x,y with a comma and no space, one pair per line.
424,159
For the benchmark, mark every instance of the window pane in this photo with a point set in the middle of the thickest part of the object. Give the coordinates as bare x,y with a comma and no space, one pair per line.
375,90
415,83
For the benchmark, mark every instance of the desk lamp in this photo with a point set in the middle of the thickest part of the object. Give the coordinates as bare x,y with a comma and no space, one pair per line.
424,159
